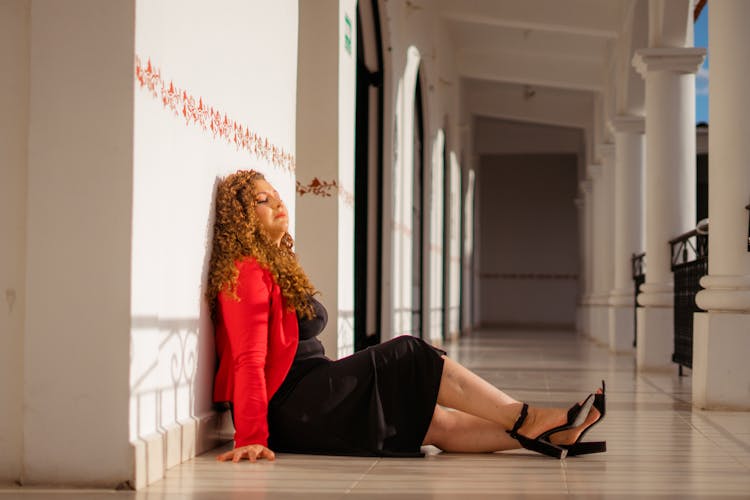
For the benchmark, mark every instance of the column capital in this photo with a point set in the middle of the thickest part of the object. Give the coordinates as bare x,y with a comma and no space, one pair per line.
675,59
605,150
629,124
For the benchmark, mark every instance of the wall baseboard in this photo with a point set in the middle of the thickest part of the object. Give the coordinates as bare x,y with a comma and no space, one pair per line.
502,325
156,453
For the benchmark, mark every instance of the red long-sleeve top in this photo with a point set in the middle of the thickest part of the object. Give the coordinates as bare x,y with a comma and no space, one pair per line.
256,339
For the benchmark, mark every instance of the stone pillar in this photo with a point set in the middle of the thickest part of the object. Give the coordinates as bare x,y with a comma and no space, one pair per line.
721,343
670,189
628,202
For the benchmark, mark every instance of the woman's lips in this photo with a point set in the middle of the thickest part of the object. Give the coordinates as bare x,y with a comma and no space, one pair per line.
280,215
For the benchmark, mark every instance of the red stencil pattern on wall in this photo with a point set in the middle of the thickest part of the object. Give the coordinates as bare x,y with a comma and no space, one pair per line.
194,110
325,189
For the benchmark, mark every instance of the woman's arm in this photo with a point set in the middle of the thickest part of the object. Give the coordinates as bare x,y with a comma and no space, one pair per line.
247,325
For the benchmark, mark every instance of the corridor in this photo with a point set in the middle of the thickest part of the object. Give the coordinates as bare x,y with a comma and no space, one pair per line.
658,444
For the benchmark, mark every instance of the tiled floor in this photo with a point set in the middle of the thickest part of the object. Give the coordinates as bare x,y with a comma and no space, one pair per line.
659,446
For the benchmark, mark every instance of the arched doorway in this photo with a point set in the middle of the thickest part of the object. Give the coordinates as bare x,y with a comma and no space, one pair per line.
418,210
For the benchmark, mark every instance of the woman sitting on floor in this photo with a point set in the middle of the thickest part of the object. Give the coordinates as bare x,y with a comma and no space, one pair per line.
387,400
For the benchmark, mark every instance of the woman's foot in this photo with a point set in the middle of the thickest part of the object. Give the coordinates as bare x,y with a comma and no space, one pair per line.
541,420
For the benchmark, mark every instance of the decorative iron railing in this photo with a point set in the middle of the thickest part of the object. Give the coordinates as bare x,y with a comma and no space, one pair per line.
689,265
638,267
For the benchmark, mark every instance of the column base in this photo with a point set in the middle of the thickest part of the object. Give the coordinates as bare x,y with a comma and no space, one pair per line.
598,323
621,328
655,339
721,372
582,316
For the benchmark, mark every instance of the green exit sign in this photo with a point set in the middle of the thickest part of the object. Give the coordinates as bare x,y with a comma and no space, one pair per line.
348,34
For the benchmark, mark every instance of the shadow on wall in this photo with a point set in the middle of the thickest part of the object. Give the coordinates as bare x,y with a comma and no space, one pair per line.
176,388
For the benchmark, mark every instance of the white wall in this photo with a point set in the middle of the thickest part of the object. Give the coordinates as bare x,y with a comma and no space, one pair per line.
454,251
80,160
529,240
240,58
347,54
435,243
14,123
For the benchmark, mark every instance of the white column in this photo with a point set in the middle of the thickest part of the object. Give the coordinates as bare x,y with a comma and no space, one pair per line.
602,245
588,187
628,200
595,287
607,154
721,343
77,341
325,150
582,203
15,25
670,189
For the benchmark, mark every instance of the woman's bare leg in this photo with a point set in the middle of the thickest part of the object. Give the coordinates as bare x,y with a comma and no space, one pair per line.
456,431
465,391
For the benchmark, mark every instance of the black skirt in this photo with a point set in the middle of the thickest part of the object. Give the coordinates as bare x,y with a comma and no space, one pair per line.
376,402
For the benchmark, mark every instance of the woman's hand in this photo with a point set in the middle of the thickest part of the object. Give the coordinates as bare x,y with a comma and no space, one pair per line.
251,452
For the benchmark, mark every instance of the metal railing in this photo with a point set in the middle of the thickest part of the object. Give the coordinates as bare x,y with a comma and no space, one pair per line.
689,265
638,271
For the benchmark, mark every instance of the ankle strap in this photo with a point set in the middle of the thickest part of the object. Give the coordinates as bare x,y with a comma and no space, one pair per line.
520,420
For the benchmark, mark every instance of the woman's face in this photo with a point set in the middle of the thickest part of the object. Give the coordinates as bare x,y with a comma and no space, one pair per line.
270,210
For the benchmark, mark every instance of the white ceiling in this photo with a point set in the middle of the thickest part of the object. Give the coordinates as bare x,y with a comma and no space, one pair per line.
553,43
557,50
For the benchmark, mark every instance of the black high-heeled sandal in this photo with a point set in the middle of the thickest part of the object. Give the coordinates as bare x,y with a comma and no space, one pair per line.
541,444
584,448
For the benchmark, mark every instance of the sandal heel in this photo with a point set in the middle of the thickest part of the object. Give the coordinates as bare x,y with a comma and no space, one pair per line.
586,448
541,446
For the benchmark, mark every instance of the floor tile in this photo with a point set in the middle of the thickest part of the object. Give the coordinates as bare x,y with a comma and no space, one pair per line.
658,444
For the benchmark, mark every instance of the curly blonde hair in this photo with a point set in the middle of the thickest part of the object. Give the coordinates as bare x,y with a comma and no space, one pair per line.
238,234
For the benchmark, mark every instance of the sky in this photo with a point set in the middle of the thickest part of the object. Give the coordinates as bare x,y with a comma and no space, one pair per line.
701,79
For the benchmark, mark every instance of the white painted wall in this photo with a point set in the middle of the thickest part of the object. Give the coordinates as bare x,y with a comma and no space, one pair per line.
470,272
404,237
435,244
14,123
454,240
347,76
77,327
529,240
239,58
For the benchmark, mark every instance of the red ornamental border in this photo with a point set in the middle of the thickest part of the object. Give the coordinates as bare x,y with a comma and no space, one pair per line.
325,189
195,110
